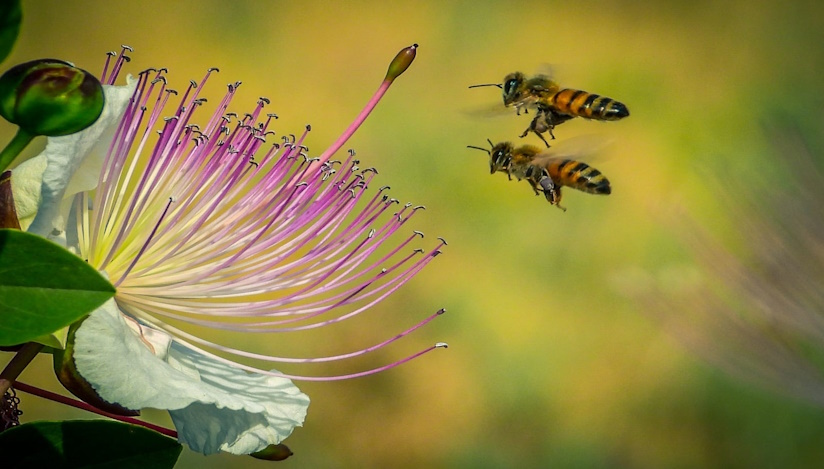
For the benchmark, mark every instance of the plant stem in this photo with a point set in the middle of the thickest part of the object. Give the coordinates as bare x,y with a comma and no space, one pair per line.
17,364
27,388
17,144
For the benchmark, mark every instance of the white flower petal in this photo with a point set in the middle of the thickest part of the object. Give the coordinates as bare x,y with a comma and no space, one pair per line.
26,179
215,407
64,155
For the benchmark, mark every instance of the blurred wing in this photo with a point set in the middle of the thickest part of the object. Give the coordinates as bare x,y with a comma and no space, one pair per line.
547,71
498,110
490,110
586,148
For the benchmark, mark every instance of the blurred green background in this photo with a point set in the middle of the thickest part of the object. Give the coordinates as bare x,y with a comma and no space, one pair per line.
549,364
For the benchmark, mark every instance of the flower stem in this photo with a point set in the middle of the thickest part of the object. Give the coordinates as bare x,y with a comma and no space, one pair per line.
27,388
17,364
17,144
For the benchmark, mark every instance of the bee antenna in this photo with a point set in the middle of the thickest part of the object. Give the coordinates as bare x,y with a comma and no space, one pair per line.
479,148
488,84
490,143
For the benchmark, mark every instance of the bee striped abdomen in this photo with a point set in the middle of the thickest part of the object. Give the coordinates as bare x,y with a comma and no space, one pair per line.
591,106
578,175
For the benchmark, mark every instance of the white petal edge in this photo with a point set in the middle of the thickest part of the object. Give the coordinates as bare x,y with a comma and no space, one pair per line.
214,407
65,155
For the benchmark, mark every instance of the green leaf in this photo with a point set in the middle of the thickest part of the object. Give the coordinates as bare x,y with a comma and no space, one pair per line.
11,14
85,444
43,287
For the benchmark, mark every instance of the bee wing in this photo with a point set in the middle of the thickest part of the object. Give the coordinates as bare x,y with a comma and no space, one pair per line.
499,110
545,72
547,69
489,111
586,148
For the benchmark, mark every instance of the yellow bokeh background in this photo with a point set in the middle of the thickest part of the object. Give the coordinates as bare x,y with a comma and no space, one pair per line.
549,364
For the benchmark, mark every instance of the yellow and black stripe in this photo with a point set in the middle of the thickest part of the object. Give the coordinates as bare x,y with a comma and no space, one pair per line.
579,103
578,175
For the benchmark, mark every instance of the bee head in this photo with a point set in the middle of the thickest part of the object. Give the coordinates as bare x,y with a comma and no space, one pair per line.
512,87
500,155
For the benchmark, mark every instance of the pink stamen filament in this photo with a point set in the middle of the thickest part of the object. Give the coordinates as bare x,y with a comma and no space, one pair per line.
318,378
228,270
292,232
270,358
117,65
324,157
142,250
274,307
274,272
103,76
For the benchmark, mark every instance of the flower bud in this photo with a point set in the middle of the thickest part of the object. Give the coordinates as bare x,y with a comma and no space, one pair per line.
70,378
401,62
273,453
50,97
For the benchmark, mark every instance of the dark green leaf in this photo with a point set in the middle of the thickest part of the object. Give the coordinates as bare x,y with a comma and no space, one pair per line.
10,16
43,287
94,444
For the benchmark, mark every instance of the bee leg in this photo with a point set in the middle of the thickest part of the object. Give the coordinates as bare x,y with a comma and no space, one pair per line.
534,126
556,198
542,137
552,192
548,187
534,186
552,119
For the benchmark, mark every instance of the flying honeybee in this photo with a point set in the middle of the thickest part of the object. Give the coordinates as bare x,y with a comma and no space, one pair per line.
554,105
545,170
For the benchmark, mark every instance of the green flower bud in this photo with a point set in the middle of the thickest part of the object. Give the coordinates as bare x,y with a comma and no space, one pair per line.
50,97
70,378
273,453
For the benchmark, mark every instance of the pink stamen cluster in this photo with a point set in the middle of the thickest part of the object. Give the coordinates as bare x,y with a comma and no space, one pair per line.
207,225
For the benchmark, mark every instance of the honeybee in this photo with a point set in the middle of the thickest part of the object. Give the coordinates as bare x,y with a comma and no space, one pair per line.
554,105
545,170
